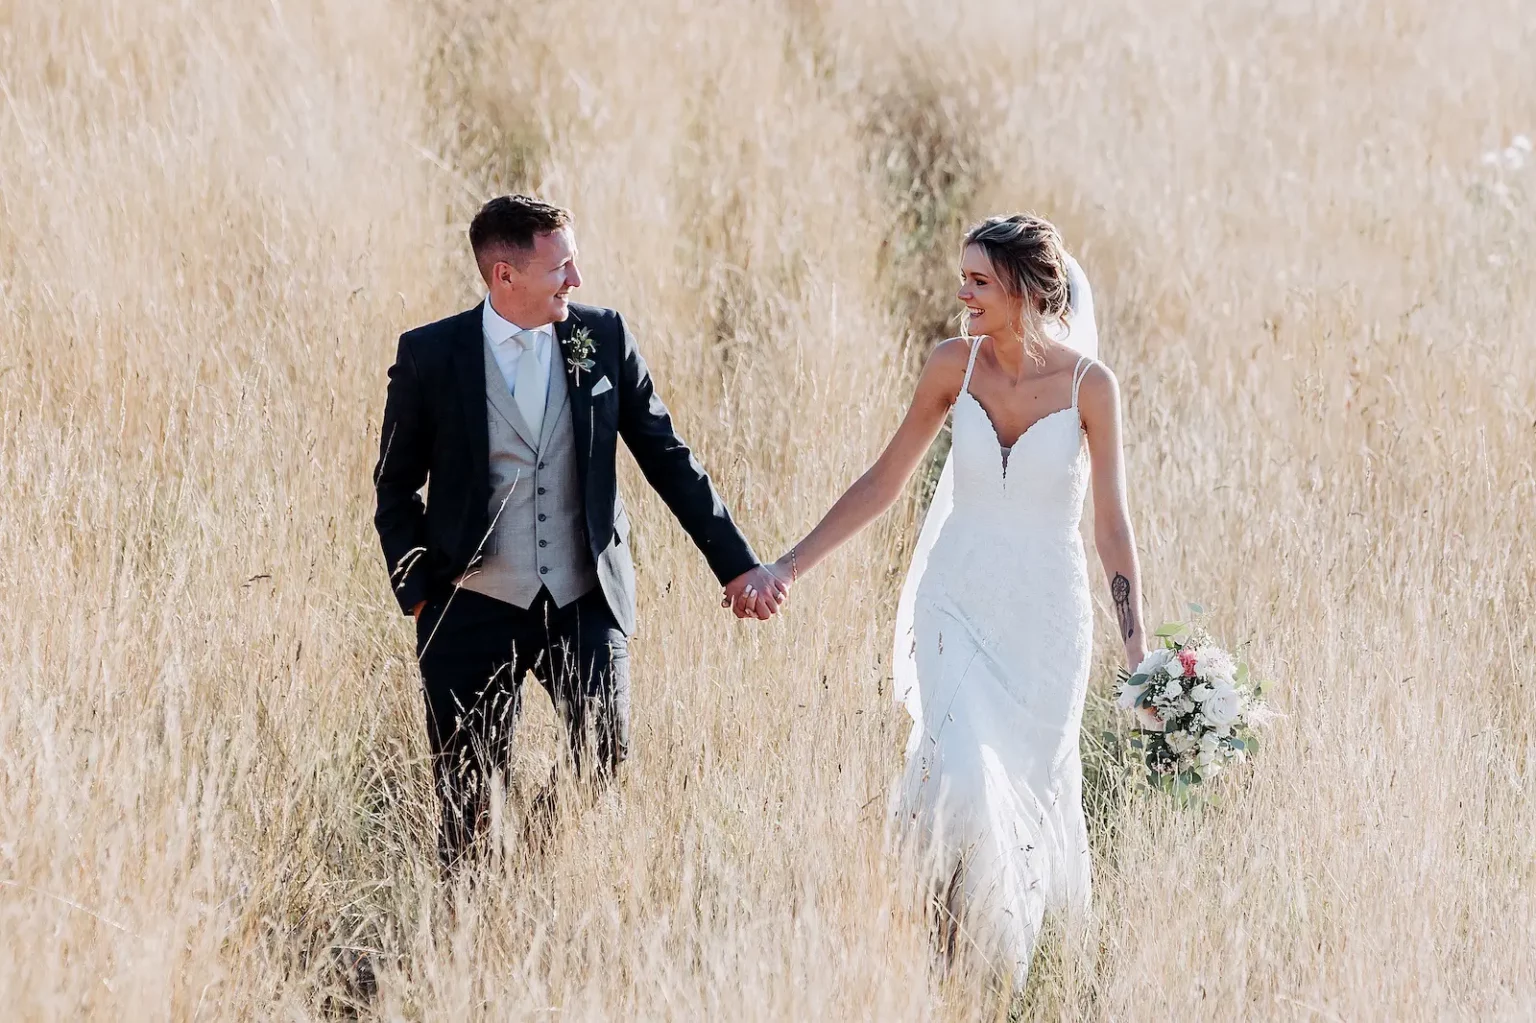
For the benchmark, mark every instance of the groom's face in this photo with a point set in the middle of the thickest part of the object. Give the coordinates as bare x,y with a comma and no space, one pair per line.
537,292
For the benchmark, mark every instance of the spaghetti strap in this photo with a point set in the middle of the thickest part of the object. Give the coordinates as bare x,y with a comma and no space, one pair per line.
965,385
1079,371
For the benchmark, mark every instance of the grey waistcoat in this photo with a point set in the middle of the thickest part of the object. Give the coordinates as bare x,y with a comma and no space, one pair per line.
537,536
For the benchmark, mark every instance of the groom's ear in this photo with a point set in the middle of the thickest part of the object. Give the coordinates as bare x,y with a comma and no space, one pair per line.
501,265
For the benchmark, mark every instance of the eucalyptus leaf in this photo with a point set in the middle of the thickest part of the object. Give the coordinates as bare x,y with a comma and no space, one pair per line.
1171,629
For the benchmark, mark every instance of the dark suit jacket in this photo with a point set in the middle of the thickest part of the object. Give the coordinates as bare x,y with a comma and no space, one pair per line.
435,430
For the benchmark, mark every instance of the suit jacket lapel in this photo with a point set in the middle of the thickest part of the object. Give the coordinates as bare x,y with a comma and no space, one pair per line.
469,367
578,387
557,395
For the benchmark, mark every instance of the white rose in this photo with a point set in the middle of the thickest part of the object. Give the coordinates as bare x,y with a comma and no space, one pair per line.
1202,692
1180,742
1223,708
1210,742
1154,662
1173,690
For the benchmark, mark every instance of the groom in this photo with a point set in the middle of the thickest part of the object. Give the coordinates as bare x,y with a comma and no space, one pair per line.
518,560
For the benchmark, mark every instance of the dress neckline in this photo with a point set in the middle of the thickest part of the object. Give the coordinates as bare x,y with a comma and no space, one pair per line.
1078,372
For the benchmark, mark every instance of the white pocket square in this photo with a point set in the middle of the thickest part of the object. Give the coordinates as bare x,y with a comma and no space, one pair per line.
603,386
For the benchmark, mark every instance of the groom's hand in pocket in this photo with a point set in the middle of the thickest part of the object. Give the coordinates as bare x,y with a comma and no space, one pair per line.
756,593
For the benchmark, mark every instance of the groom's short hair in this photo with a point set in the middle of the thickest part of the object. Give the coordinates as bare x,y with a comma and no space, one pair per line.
505,227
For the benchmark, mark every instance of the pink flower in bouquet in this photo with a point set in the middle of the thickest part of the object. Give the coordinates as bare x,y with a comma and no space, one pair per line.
1187,660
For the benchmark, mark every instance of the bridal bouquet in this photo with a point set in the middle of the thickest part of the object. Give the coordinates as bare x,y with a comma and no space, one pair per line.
1194,706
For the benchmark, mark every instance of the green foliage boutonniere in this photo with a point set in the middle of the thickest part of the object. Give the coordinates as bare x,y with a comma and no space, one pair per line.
578,351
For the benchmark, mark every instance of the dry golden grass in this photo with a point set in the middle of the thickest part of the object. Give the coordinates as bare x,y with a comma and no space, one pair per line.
214,219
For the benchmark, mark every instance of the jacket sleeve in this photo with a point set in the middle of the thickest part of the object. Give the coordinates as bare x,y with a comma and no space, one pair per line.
405,445
672,470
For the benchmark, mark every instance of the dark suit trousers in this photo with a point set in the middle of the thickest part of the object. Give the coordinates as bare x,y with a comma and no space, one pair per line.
474,651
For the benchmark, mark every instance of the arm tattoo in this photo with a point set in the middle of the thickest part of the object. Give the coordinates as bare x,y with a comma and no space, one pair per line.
1120,590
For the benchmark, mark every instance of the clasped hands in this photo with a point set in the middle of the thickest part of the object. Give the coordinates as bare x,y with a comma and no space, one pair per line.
758,593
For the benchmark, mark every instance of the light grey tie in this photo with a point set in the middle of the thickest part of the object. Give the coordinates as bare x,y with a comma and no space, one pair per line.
529,388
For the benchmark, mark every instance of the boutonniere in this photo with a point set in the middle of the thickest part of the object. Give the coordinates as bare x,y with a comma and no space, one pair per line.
578,351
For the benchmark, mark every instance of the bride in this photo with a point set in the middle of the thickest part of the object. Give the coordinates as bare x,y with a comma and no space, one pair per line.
995,624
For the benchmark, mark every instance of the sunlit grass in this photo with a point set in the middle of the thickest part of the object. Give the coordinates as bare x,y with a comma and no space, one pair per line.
1315,290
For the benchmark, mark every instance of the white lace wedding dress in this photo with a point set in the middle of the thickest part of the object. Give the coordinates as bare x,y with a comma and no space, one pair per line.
993,649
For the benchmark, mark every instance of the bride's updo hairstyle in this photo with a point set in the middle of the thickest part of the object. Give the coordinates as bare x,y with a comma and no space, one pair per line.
1030,260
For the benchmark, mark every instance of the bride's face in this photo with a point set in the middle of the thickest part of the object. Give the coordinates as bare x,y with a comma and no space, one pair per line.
989,308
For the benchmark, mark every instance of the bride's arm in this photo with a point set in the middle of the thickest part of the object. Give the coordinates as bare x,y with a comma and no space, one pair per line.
1099,403
875,491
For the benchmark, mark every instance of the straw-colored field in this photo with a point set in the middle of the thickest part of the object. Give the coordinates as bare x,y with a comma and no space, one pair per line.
215,218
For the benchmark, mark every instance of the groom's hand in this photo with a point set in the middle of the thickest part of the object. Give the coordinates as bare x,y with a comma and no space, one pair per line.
756,593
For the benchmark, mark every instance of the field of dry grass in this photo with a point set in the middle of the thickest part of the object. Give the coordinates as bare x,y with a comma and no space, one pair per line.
215,218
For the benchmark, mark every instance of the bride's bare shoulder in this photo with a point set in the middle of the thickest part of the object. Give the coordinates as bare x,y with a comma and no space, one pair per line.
954,348
1098,396
945,369
949,358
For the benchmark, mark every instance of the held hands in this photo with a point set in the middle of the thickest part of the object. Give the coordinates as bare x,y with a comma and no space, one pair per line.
758,593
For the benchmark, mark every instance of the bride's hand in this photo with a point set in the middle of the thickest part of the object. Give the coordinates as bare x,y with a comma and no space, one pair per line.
783,571
780,573
1135,653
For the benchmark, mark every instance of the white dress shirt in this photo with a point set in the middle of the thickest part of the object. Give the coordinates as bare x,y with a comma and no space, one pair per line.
498,333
